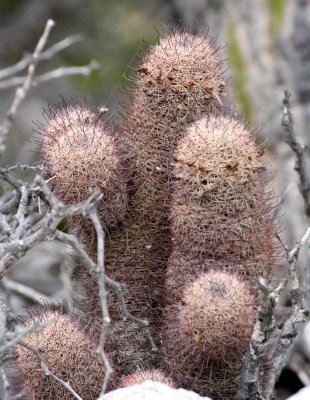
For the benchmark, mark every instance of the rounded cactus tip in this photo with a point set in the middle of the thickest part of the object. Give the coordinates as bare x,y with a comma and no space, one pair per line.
145,375
69,354
217,316
219,144
81,154
183,70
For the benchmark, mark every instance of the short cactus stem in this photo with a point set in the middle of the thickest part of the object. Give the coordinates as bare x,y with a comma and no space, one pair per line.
223,238
208,331
217,315
81,153
69,353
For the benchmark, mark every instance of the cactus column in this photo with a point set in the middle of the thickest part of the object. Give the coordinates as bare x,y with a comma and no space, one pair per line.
180,77
223,235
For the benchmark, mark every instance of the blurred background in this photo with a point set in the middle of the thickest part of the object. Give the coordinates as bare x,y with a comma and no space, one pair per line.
267,48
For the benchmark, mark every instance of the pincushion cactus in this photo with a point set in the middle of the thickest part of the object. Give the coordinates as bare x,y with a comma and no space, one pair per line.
206,333
223,238
81,153
222,329
69,353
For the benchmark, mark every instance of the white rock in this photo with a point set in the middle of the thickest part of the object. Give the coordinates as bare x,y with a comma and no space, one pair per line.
303,394
150,390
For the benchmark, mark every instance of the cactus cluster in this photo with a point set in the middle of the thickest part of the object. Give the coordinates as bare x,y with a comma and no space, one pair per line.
189,222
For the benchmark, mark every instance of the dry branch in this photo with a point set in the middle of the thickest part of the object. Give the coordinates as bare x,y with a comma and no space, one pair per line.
300,151
29,213
51,75
45,55
250,387
22,91
25,83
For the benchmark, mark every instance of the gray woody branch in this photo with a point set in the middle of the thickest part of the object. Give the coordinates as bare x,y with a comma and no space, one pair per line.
266,325
27,82
28,226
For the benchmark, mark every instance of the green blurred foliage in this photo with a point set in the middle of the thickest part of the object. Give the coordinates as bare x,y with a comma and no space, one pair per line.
8,7
114,35
239,75
277,12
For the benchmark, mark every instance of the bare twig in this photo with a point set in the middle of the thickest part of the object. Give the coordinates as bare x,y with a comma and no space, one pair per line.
3,328
249,388
51,75
25,237
23,167
301,165
4,225
288,328
100,272
6,383
22,91
45,55
8,206
296,291
48,372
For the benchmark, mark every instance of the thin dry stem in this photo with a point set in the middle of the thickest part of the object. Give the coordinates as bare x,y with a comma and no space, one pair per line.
22,91
300,150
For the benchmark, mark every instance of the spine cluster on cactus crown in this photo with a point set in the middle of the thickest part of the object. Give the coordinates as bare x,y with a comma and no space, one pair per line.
196,226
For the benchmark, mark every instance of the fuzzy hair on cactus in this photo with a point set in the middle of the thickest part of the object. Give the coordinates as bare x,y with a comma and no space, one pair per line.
69,353
179,78
221,210
147,375
81,153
